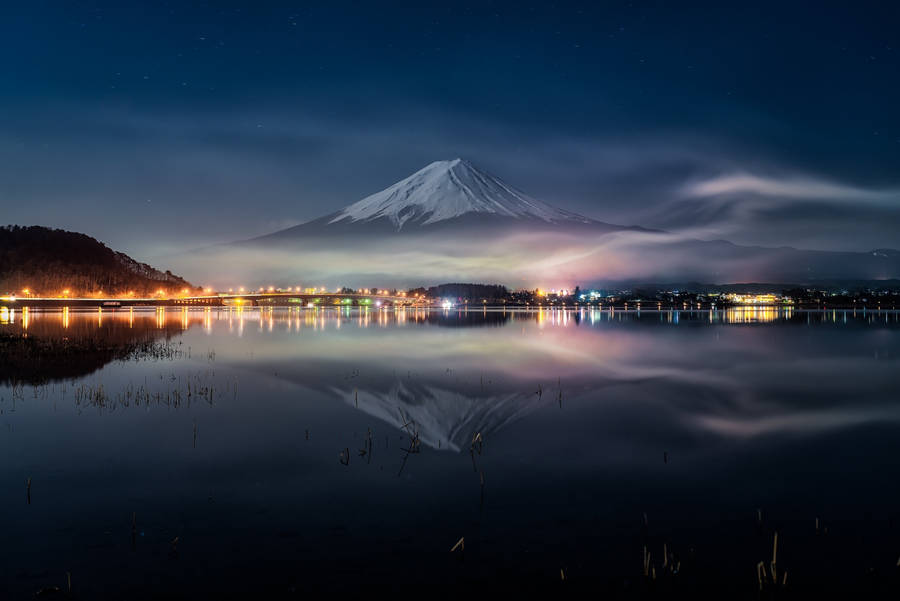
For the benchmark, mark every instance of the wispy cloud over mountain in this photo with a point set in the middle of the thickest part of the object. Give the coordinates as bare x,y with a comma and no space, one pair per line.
789,188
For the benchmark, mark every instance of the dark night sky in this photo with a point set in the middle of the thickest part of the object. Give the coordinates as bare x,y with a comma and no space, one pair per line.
160,126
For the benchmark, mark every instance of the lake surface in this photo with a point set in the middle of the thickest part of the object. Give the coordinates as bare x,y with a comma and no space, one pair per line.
220,453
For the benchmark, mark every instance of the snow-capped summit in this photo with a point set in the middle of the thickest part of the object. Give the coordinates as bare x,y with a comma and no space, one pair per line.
446,190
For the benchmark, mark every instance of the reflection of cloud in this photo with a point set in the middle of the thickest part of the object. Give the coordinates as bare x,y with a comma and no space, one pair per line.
459,383
716,384
733,382
770,392
806,422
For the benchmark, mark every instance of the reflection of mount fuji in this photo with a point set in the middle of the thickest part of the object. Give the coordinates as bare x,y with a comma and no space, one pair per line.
445,418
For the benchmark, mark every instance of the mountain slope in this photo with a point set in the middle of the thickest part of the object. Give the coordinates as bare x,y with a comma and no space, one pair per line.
47,261
449,197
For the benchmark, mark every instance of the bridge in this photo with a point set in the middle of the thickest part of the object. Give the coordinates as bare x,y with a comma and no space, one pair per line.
255,299
296,299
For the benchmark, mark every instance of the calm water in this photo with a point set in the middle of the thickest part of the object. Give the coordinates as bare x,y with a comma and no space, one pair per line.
297,451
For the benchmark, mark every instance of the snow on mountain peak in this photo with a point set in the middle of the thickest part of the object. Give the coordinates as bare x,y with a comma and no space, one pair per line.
448,189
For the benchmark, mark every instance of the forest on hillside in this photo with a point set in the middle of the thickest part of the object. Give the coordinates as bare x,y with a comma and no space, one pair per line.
48,261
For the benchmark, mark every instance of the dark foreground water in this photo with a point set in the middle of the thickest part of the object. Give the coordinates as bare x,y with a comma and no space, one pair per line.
281,454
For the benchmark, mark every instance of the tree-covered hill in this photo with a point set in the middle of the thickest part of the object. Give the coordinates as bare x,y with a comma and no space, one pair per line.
47,261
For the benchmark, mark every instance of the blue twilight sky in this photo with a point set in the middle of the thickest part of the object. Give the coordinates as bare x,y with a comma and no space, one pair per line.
158,126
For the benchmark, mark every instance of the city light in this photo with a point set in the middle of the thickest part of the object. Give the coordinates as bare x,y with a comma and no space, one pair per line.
754,299
552,297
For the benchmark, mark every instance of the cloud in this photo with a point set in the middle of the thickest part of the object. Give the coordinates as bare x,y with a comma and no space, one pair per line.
224,175
796,188
793,208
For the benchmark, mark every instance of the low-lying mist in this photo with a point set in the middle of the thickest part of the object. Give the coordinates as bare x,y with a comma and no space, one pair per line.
524,259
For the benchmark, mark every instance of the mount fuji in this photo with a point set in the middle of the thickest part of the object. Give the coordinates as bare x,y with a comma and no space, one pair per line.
443,195
452,221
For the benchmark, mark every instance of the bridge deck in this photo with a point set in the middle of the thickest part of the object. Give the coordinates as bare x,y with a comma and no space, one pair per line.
330,299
